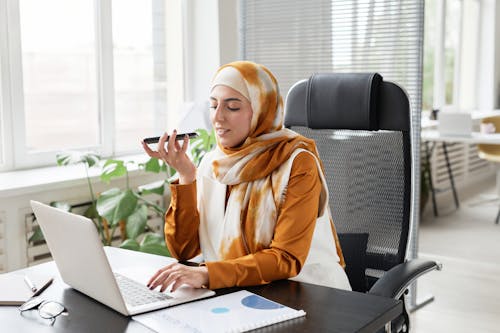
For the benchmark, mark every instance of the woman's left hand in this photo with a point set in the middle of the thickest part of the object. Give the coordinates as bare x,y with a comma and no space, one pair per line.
174,155
178,274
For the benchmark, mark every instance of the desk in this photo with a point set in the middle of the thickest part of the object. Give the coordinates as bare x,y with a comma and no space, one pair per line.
328,309
476,115
435,137
474,137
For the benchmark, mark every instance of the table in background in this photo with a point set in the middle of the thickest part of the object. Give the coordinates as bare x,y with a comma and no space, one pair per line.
328,309
434,137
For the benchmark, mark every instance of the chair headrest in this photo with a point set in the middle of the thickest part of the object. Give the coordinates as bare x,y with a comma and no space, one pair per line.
357,101
343,100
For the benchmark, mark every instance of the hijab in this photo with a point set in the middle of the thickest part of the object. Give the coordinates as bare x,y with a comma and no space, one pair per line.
258,170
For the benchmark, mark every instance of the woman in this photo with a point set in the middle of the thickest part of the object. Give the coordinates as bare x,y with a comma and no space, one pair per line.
252,207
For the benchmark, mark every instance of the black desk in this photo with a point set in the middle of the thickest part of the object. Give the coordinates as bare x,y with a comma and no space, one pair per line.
328,309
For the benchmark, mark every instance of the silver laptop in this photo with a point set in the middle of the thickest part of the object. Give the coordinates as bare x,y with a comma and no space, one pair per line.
82,262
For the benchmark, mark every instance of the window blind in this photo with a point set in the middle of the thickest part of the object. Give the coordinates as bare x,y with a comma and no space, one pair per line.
297,38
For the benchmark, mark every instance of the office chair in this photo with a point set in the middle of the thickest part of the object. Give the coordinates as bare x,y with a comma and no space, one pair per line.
361,125
492,153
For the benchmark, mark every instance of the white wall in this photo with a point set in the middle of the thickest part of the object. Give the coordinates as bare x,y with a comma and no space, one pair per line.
211,40
497,57
175,66
228,31
488,79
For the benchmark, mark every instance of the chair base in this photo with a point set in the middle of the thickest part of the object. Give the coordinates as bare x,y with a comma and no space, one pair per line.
421,302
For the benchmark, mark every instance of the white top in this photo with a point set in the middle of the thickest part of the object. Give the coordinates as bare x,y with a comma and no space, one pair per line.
473,137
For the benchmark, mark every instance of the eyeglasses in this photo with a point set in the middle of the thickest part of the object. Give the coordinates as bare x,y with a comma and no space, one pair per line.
46,309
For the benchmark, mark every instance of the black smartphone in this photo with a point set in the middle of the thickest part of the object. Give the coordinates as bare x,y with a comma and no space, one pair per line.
179,136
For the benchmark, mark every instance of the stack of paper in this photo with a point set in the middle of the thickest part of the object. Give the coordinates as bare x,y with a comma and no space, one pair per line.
236,312
15,290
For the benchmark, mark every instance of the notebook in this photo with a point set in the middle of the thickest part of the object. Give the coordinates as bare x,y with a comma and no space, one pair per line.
240,311
81,260
14,290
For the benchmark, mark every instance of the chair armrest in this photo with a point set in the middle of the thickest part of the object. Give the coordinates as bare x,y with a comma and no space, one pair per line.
395,281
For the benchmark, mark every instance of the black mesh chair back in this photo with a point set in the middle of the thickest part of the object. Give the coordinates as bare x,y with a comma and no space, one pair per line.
361,126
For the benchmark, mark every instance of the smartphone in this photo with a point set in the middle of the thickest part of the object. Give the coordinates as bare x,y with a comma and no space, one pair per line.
179,136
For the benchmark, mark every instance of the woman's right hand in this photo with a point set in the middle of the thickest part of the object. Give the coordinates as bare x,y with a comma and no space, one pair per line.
174,155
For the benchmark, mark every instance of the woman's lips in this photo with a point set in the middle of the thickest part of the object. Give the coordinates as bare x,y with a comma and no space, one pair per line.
221,131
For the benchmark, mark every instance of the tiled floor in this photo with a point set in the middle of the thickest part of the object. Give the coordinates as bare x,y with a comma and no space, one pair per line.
467,290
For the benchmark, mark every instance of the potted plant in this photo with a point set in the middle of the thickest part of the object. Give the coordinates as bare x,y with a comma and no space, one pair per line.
126,210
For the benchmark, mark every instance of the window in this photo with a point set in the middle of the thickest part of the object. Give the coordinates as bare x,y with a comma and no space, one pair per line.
451,46
87,75
3,91
430,32
59,74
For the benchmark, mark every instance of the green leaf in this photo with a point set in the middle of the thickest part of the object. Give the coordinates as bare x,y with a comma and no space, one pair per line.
202,144
63,158
116,205
156,188
74,157
36,236
170,171
130,244
90,158
61,205
113,169
153,165
155,244
91,212
136,223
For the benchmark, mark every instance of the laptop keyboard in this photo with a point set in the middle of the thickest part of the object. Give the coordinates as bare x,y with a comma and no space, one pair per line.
136,293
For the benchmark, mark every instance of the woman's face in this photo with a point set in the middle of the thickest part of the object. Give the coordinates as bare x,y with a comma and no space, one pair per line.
231,116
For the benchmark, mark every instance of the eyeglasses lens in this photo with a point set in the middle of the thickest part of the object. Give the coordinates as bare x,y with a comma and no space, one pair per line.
31,304
50,309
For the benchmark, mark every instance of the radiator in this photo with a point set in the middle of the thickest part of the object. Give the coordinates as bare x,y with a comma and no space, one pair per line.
465,164
38,252
3,257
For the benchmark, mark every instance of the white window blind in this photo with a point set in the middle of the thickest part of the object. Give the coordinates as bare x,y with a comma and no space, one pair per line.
297,38
292,38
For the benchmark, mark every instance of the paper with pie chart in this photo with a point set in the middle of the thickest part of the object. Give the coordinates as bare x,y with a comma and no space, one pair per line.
235,312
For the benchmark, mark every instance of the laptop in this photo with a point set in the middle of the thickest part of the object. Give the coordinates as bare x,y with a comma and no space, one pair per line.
454,123
77,250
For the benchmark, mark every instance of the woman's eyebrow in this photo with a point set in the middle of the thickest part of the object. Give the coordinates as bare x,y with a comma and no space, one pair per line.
232,99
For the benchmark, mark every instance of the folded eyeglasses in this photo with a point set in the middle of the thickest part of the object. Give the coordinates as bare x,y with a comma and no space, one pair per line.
46,309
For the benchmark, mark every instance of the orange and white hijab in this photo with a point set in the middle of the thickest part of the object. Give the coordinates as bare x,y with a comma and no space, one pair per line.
258,172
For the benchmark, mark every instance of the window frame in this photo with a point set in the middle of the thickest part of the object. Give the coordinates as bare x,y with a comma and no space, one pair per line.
6,131
12,115
439,77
